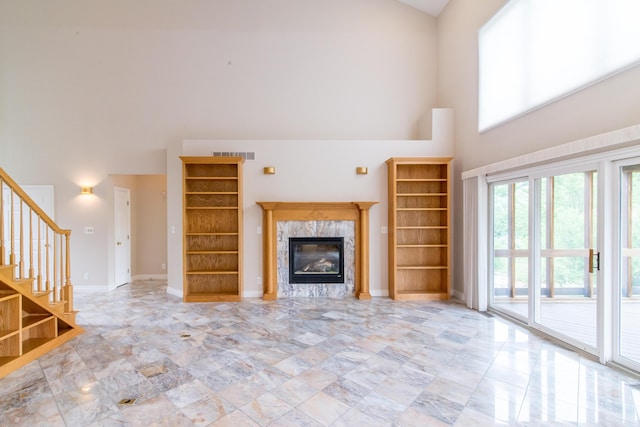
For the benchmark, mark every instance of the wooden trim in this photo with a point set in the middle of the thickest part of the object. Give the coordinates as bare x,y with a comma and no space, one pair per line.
272,212
41,350
420,226
212,273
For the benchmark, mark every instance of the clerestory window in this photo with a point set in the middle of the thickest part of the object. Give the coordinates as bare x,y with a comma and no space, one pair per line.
535,51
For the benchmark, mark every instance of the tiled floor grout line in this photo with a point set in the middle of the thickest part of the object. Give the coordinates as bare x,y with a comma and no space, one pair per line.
308,362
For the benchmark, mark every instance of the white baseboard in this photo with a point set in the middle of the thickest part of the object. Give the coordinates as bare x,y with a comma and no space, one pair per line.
252,294
149,277
379,292
174,292
458,295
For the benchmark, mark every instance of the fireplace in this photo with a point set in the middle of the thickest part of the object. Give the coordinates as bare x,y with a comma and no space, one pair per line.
316,260
284,220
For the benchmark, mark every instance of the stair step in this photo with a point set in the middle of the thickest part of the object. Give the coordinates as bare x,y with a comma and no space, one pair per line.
6,271
41,294
58,306
24,286
30,324
23,282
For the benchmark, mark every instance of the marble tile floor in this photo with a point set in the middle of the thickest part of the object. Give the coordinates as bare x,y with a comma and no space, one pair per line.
307,362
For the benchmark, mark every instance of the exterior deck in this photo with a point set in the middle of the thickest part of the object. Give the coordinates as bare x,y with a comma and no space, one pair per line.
577,318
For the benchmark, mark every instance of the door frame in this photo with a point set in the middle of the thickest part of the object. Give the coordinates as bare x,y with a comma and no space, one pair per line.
532,175
617,255
575,166
117,268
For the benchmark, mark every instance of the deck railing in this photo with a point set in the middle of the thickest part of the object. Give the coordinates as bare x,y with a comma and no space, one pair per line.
34,244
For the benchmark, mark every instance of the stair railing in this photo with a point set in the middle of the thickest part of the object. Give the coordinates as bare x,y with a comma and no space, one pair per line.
34,244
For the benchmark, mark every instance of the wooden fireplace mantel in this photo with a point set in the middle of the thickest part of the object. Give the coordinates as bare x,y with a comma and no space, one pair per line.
272,212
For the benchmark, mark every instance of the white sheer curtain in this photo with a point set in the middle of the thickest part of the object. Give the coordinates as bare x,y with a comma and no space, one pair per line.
534,51
475,242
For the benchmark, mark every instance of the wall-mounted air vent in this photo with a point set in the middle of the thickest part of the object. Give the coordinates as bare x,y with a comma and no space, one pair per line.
247,155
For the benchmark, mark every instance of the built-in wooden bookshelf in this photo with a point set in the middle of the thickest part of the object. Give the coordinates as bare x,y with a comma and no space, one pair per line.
25,326
419,228
212,228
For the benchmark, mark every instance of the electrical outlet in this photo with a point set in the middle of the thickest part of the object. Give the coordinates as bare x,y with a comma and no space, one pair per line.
86,276
164,266
384,229
259,280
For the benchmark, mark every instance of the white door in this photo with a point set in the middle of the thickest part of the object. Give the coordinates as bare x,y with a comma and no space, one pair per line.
122,236
43,196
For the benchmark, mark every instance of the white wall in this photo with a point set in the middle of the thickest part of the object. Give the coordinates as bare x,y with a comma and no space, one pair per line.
90,89
100,88
608,105
306,171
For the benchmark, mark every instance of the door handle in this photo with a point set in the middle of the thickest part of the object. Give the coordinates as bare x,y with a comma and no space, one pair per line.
594,261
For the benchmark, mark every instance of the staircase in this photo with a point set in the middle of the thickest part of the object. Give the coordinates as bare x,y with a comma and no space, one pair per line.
36,294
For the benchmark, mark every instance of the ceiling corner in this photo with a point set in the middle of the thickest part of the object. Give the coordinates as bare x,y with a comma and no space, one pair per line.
431,7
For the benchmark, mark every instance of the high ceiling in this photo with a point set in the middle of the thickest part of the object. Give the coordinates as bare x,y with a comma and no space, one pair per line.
432,7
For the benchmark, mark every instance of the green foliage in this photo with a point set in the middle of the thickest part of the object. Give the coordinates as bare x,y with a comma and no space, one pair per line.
569,212
501,212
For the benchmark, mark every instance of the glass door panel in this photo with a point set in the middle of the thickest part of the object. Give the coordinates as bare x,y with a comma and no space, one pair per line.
629,298
567,235
510,223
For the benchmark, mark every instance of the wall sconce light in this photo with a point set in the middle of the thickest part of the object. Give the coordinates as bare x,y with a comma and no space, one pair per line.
362,170
86,190
270,170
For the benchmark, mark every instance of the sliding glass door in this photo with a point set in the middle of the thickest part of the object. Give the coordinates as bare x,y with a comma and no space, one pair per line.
544,243
510,248
564,251
567,236
627,302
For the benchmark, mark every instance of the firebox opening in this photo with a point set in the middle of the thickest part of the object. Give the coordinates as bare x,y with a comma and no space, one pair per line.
316,260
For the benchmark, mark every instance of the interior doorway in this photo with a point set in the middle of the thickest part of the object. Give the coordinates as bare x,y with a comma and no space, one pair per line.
122,213
147,230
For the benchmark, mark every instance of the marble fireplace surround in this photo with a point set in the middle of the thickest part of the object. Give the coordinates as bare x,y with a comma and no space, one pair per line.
272,212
